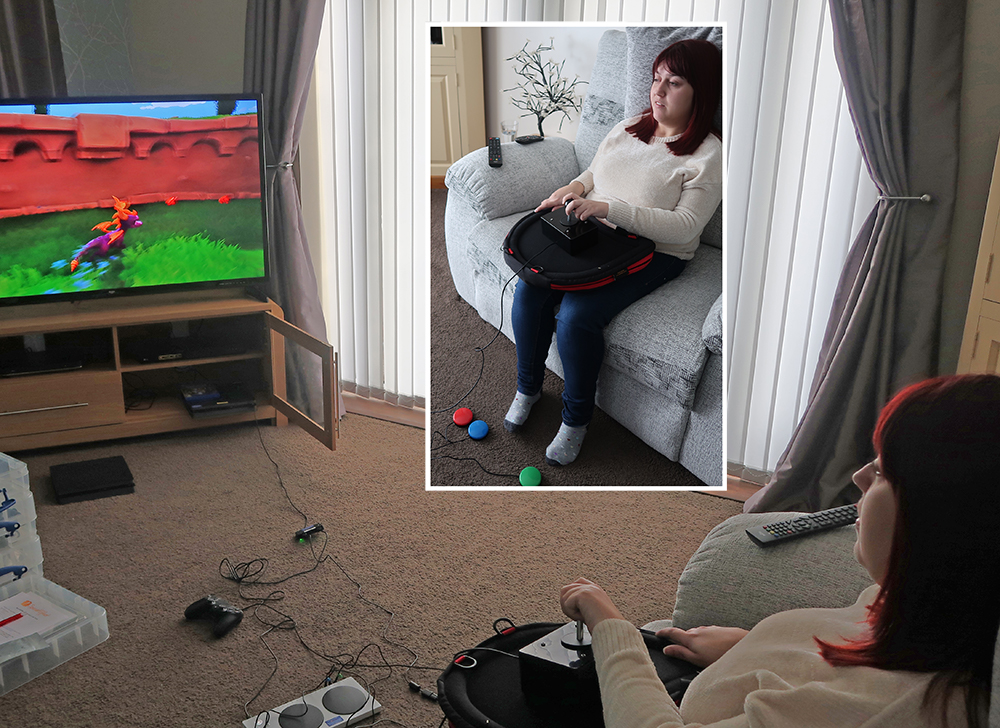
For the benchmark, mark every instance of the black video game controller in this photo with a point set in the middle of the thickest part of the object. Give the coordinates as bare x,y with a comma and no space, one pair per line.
570,218
222,613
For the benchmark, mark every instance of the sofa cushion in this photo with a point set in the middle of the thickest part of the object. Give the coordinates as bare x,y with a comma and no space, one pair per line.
711,332
732,582
701,451
529,174
604,105
658,339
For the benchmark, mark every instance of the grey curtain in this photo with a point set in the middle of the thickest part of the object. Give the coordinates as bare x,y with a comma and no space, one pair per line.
281,41
901,64
31,62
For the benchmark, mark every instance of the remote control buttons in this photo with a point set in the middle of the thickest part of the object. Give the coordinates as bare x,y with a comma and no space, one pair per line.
478,430
462,417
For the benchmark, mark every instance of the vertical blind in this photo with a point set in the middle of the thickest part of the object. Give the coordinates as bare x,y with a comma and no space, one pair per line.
371,177
797,194
797,191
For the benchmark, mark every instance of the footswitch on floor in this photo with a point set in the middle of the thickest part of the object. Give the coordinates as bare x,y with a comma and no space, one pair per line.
341,704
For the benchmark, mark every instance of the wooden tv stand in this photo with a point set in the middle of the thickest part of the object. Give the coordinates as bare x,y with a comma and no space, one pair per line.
115,394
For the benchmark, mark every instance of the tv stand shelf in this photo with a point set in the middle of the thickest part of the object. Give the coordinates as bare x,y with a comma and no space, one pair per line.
133,366
115,395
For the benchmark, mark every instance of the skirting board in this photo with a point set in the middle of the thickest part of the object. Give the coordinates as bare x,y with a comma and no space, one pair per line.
380,410
736,489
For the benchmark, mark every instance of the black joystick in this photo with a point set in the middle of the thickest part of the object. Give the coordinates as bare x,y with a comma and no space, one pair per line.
570,218
218,610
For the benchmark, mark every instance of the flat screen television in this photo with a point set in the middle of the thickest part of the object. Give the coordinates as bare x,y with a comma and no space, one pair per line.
111,196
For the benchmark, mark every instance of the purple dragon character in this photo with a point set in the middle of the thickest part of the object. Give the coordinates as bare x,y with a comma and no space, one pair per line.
112,239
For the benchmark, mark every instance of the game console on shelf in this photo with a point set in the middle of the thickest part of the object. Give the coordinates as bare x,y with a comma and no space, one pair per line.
341,704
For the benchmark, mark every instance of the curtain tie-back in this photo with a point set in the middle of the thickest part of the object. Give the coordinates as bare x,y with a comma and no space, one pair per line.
285,165
922,198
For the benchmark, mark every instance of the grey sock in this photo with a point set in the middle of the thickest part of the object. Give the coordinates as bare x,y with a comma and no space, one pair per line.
564,449
519,410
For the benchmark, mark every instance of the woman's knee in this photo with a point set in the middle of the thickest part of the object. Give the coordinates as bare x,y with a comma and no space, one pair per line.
576,312
532,300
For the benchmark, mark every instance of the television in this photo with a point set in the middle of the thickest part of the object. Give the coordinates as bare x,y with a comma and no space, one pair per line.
111,196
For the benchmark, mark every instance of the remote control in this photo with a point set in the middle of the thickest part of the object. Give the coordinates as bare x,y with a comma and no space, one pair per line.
496,159
528,139
802,525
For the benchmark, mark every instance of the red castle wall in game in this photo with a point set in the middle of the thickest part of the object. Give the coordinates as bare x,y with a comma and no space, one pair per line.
52,163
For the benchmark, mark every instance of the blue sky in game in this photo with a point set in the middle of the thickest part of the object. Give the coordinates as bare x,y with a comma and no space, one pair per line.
173,109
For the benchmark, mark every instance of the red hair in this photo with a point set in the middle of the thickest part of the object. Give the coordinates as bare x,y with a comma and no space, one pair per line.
938,443
700,63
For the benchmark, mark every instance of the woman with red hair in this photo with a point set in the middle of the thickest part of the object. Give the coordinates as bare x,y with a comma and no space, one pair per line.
917,647
658,175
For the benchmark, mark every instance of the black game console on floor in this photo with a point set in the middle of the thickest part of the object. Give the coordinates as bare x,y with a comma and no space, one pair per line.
90,479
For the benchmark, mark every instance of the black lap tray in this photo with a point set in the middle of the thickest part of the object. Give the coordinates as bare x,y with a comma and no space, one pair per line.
489,695
532,254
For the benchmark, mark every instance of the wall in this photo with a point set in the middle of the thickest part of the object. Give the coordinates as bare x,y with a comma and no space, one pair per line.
94,35
979,132
152,47
188,46
577,45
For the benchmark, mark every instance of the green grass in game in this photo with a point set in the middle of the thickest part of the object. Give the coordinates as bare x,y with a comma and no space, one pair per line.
189,242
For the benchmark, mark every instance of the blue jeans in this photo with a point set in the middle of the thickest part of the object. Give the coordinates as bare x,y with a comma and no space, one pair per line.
582,317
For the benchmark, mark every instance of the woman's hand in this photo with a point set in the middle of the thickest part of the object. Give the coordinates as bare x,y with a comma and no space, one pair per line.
583,599
559,197
584,208
701,646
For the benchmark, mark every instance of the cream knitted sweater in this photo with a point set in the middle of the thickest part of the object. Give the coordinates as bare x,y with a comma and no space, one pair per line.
773,678
653,193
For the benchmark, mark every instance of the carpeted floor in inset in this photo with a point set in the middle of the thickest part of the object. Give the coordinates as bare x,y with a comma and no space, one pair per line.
611,455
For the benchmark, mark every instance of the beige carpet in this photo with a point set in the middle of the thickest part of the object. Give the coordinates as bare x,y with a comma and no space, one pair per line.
447,564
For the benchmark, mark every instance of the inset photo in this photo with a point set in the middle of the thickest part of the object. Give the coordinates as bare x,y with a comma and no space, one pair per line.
577,177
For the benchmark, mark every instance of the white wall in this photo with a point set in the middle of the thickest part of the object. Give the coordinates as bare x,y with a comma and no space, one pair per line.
576,44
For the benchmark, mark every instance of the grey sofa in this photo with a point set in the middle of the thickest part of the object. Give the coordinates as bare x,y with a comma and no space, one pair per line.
662,373
732,582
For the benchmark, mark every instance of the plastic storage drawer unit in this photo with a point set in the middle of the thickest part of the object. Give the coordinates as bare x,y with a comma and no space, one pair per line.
24,659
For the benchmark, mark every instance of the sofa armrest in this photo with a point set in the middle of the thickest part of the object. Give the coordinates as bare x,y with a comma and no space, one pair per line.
731,581
711,331
529,174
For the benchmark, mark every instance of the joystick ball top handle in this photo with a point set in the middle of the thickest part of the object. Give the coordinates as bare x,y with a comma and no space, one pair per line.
571,219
